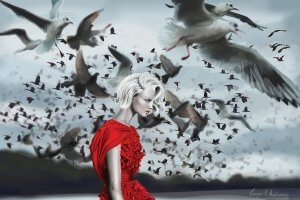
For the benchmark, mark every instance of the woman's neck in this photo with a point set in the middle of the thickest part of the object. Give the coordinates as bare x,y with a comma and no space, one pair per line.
124,115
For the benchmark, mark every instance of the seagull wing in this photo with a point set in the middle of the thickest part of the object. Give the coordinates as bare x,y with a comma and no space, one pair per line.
69,136
82,68
199,121
86,24
166,64
21,33
245,19
181,111
125,63
254,69
174,101
20,12
219,102
98,91
241,119
191,12
56,5
242,18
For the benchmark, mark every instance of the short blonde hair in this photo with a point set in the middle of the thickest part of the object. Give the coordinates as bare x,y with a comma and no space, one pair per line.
134,84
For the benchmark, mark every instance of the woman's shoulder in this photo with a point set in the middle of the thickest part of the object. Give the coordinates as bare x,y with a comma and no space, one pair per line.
112,125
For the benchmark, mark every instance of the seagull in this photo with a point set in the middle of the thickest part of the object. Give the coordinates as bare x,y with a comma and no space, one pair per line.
21,33
247,62
170,69
190,12
85,77
52,28
124,67
54,12
186,110
253,68
85,35
200,26
224,113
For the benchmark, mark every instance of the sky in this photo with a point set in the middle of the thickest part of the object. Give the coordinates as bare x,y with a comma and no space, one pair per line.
271,151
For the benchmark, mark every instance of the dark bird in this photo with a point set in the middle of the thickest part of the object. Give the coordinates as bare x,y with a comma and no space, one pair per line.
230,87
231,77
71,56
279,59
272,33
169,6
124,66
22,35
37,80
62,63
274,46
216,141
209,156
51,64
29,99
85,35
85,77
170,69
283,48
112,31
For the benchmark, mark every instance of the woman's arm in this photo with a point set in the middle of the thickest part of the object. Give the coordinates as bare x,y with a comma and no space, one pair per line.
114,173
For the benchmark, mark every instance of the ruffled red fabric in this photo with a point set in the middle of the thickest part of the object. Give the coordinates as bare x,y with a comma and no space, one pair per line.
111,134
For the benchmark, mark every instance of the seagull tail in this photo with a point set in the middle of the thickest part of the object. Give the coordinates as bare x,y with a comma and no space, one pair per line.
44,46
170,34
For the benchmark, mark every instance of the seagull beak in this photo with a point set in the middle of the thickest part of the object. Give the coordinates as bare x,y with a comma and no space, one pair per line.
238,30
233,8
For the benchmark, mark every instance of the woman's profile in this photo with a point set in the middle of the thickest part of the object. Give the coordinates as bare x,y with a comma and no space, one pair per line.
116,149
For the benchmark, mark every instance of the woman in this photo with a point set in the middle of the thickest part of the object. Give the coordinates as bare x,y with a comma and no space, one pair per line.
116,149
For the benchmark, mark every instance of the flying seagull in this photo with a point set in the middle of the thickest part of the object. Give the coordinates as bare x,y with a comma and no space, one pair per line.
254,68
201,26
189,12
124,66
52,28
224,114
22,35
85,35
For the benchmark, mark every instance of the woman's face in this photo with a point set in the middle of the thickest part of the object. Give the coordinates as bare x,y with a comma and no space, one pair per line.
142,103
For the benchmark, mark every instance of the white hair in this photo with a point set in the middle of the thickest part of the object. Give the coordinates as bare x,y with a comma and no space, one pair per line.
134,84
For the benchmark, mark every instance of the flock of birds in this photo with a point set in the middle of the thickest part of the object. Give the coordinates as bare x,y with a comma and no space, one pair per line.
203,25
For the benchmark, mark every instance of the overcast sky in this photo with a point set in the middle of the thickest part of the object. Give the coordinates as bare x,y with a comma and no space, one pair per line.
271,151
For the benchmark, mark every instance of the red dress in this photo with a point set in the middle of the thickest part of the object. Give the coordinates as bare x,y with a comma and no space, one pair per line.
108,136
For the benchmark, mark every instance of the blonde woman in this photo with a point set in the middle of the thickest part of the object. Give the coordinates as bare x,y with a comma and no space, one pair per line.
116,149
